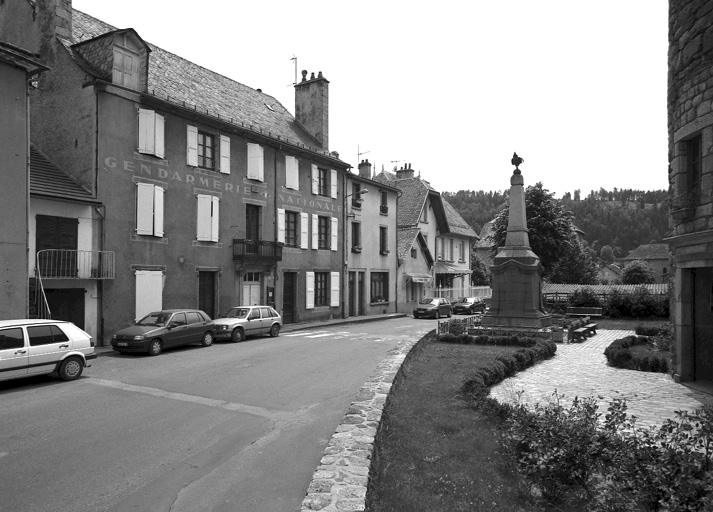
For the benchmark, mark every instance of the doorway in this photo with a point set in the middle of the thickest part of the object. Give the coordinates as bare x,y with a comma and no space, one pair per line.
289,297
356,294
67,304
206,293
252,284
703,323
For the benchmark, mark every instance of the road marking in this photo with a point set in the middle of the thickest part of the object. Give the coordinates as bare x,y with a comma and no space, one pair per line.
200,400
303,333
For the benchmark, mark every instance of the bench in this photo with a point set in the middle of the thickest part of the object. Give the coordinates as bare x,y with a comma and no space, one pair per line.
582,311
591,329
579,335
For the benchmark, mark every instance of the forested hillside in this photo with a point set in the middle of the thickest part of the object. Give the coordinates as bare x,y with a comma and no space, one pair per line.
622,219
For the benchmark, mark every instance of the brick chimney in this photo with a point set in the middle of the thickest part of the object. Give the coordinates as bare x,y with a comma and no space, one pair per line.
404,172
63,18
365,169
312,106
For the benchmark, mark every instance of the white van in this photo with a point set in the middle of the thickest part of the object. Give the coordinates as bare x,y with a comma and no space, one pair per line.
34,347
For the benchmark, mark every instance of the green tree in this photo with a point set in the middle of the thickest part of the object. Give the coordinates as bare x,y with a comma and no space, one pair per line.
550,226
638,272
607,254
575,266
481,275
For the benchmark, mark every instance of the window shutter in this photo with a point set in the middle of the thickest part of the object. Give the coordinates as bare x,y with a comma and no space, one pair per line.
215,219
315,232
224,154
334,282
144,209
160,130
315,179
292,173
192,146
334,233
281,225
158,211
309,285
149,292
304,231
147,131
255,162
333,183
204,225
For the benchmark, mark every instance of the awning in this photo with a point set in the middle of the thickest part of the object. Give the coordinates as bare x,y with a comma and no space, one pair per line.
419,278
449,268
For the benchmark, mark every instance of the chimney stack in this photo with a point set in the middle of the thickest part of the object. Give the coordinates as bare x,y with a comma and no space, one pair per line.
404,172
312,107
365,169
63,18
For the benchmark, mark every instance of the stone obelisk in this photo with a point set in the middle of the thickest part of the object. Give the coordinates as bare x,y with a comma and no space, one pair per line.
516,270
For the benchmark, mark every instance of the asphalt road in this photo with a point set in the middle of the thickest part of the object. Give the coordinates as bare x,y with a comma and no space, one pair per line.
232,427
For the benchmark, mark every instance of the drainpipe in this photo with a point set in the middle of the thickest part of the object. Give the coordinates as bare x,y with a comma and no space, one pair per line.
345,227
27,197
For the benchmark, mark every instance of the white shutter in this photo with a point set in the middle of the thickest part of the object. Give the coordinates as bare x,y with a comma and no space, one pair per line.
147,131
334,282
315,232
333,183
192,145
304,231
159,133
292,173
315,179
334,233
204,224
255,162
158,211
224,154
309,286
215,219
144,209
281,225
149,292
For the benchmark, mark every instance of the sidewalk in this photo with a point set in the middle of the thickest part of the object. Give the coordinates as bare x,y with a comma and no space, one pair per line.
580,369
105,350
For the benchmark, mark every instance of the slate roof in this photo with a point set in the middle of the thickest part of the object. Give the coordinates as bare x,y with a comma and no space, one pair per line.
405,238
649,252
488,230
456,224
48,180
603,289
179,81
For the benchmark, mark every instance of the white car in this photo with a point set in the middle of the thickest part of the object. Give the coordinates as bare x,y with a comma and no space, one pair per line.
34,347
242,321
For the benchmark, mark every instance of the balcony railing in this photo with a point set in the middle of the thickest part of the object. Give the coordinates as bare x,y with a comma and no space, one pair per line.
74,264
384,208
261,250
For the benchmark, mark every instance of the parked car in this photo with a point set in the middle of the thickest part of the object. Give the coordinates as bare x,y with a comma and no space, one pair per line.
164,329
242,321
33,347
436,308
469,306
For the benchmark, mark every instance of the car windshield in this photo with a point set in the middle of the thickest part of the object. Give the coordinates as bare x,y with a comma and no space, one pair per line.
468,300
428,301
237,313
158,318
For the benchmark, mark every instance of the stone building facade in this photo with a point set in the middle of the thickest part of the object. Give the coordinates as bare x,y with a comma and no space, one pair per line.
690,127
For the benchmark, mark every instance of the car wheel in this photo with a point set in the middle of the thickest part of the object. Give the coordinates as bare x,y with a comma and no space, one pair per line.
238,335
155,348
415,315
207,340
119,351
449,313
275,330
438,314
71,368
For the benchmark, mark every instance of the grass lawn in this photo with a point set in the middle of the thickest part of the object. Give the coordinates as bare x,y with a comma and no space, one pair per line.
436,451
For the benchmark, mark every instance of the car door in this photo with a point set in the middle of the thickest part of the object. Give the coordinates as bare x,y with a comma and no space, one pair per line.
14,354
253,323
47,345
195,326
177,333
266,319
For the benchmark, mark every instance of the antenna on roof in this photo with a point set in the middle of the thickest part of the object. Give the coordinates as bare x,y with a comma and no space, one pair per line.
359,153
294,57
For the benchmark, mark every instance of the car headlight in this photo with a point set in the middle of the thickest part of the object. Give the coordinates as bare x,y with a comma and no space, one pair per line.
113,337
139,337
223,328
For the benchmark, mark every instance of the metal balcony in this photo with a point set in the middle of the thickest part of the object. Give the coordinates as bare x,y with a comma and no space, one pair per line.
257,250
74,264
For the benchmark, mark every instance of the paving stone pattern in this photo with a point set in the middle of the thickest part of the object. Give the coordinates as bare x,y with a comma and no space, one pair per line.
580,369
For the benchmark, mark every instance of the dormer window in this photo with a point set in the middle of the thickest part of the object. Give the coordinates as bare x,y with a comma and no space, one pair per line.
127,62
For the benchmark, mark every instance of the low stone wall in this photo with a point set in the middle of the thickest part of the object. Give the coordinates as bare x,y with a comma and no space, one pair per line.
340,481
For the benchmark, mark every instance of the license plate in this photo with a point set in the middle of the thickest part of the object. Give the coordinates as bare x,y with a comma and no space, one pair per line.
122,344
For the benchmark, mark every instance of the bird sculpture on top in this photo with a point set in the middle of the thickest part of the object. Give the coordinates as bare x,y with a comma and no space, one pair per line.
516,161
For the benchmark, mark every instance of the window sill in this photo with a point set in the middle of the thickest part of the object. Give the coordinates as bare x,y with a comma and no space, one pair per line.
379,303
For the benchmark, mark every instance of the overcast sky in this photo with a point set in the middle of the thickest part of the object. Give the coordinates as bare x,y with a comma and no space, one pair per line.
577,88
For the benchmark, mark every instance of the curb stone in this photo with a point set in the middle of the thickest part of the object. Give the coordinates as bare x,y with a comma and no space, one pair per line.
340,481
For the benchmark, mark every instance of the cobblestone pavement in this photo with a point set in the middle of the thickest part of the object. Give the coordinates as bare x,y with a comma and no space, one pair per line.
580,369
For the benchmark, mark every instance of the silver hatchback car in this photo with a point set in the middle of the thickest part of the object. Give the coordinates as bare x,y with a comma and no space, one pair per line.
242,321
33,347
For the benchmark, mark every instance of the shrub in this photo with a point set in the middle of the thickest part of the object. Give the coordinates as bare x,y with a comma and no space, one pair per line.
619,355
584,297
651,330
